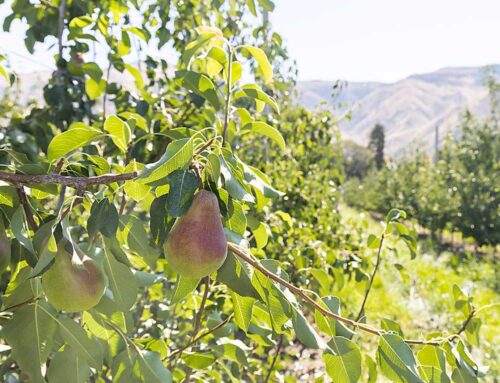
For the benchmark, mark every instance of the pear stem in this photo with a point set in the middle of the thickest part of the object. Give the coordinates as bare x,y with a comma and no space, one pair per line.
299,292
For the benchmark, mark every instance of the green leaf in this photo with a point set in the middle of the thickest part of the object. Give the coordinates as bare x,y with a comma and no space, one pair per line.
242,307
184,287
94,89
30,333
18,226
237,275
254,92
373,242
183,184
68,366
265,68
396,360
103,218
136,74
433,365
344,364
199,361
152,369
77,136
93,70
119,130
266,130
233,185
74,335
121,282
304,331
178,154
8,196
390,325
329,325
200,84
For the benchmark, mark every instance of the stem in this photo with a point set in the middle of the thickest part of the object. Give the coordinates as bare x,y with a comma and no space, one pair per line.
362,309
299,292
197,322
466,322
125,338
23,179
105,98
228,96
60,26
31,300
201,336
271,367
27,210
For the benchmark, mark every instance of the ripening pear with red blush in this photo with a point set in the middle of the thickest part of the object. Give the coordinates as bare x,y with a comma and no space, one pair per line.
197,246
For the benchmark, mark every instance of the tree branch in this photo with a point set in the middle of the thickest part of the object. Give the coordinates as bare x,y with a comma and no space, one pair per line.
271,367
24,179
299,292
362,309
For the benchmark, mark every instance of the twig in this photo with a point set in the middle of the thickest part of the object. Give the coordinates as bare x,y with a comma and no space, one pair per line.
27,210
200,150
31,300
377,263
79,195
271,367
228,96
201,336
185,115
197,322
24,179
299,292
125,338
466,322
105,98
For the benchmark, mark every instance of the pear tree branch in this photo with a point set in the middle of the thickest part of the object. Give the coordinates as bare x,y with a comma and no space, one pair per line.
81,182
299,292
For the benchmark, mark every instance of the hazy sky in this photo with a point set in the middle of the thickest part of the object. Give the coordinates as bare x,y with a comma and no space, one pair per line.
386,40
360,40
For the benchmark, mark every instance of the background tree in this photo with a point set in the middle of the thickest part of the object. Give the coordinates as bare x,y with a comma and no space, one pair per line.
376,144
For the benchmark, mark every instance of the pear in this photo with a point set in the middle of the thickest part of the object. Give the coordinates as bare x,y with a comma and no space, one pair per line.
196,246
74,282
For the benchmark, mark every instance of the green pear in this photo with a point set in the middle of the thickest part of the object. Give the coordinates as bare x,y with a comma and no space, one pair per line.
74,282
196,246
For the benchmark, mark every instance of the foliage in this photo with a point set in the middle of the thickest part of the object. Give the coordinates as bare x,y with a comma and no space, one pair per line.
376,144
106,170
460,192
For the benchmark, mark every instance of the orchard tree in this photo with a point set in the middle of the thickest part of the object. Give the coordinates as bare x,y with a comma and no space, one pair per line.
376,144
134,232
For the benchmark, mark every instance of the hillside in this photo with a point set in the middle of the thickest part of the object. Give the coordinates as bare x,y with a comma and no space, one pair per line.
410,109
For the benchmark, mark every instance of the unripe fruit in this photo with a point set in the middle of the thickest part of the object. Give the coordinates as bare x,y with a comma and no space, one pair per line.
73,283
196,246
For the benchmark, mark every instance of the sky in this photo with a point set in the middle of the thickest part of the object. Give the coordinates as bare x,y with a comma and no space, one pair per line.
356,40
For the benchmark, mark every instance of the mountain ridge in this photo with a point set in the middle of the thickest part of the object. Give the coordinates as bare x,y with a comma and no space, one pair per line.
410,109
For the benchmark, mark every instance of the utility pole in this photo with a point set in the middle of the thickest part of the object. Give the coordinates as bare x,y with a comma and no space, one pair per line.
436,145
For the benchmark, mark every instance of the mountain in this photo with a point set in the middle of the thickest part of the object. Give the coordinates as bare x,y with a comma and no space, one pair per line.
409,109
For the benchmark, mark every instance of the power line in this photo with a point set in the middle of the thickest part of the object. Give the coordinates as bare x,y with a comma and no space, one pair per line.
28,59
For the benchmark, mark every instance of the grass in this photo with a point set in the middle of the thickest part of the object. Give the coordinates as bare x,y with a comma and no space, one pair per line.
419,296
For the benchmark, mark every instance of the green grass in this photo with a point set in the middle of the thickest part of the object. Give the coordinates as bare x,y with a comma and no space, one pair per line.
420,297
